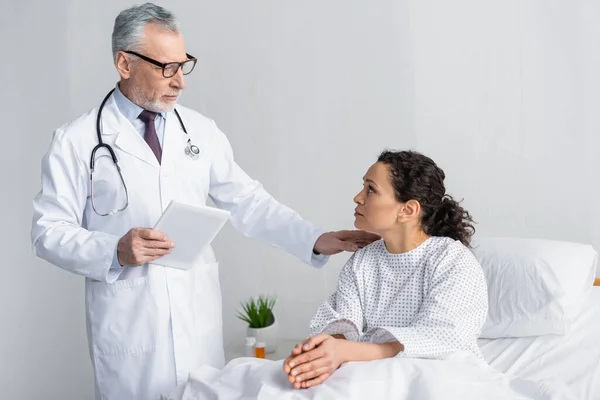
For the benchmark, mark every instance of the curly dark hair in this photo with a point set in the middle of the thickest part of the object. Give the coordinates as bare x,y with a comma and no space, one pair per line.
416,177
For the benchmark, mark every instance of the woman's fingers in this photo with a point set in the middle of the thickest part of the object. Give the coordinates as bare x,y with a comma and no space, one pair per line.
312,373
306,357
308,371
286,367
317,381
297,350
314,341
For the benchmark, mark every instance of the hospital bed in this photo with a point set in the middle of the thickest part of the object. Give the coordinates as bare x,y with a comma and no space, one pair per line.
563,359
573,358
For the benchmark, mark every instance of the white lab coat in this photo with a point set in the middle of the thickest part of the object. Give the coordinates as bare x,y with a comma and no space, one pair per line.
149,326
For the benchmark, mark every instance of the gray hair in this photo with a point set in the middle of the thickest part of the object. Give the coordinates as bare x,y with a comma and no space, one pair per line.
130,23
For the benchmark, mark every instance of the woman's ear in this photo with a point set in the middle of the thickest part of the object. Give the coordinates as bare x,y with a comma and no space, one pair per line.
409,211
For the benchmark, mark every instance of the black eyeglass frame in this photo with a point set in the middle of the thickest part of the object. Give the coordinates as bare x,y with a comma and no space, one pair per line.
165,65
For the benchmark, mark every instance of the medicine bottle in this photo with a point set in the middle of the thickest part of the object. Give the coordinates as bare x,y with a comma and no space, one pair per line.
249,348
260,350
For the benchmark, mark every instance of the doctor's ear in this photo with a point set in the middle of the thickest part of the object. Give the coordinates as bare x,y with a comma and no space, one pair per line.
123,64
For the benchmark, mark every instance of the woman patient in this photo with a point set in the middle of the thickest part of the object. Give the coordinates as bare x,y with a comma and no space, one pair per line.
417,292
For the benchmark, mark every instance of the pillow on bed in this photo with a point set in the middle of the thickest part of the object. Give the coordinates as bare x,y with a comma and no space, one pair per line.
535,286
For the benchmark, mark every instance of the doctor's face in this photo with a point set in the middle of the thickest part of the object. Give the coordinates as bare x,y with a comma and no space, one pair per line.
143,82
377,208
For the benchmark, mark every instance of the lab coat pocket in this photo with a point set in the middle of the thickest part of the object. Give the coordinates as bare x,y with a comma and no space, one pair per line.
122,317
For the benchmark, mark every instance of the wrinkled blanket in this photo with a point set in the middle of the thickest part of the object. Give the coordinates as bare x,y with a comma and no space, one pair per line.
459,376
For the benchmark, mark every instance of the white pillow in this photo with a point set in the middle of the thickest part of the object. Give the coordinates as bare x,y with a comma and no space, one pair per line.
535,286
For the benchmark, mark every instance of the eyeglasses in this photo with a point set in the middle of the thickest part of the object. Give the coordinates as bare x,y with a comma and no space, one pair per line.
170,69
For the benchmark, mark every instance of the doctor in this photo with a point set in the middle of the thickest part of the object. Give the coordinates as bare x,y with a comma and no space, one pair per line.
149,326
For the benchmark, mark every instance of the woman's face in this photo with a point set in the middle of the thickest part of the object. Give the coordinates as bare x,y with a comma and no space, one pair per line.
377,208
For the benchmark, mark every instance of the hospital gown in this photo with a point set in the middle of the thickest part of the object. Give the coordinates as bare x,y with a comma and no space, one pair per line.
432,299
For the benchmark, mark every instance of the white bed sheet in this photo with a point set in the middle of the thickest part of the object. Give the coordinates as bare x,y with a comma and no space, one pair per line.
573,359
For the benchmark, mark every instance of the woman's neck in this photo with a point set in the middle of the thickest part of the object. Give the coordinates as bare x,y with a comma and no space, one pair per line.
402,242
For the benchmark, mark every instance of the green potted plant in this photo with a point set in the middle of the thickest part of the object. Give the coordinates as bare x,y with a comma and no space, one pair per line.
258,314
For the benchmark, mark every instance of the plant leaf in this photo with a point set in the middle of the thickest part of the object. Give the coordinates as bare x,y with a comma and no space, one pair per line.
258,313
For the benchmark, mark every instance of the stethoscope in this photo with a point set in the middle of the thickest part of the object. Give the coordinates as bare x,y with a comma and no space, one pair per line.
191,150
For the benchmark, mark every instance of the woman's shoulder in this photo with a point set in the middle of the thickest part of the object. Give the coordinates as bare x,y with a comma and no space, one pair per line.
366,255
451,252
374,249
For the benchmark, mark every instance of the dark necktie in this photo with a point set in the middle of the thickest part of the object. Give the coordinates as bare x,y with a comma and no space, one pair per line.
150,135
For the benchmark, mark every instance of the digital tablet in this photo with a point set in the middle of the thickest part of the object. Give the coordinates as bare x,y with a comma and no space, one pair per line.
191,228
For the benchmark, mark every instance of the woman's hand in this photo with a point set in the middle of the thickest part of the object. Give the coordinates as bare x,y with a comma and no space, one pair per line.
313,361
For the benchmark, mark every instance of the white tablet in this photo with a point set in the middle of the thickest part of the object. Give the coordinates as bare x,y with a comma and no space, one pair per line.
191,228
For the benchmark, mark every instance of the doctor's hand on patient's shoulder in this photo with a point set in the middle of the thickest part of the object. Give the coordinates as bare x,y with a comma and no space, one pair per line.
331,243
314,360
142,245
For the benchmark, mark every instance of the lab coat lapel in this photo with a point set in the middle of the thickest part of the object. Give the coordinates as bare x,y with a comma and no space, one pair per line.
127,138
174,141
172,153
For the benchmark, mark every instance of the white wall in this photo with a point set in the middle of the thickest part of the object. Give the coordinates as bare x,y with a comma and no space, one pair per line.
590,56
43,352
505,114
502,94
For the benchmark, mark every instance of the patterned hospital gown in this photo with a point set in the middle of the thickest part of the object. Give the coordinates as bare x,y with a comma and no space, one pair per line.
432,299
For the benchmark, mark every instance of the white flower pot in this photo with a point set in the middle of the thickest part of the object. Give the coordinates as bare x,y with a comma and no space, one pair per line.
268,335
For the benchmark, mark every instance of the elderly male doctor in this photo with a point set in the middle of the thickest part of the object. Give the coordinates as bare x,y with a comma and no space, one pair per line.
149,326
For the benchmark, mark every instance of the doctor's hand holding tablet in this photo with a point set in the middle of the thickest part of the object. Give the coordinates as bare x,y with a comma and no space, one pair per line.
142,245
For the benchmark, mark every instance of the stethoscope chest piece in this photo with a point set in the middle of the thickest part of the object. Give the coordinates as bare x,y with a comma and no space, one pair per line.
191,150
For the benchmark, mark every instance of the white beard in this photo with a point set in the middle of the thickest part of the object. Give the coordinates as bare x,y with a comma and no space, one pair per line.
148,104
